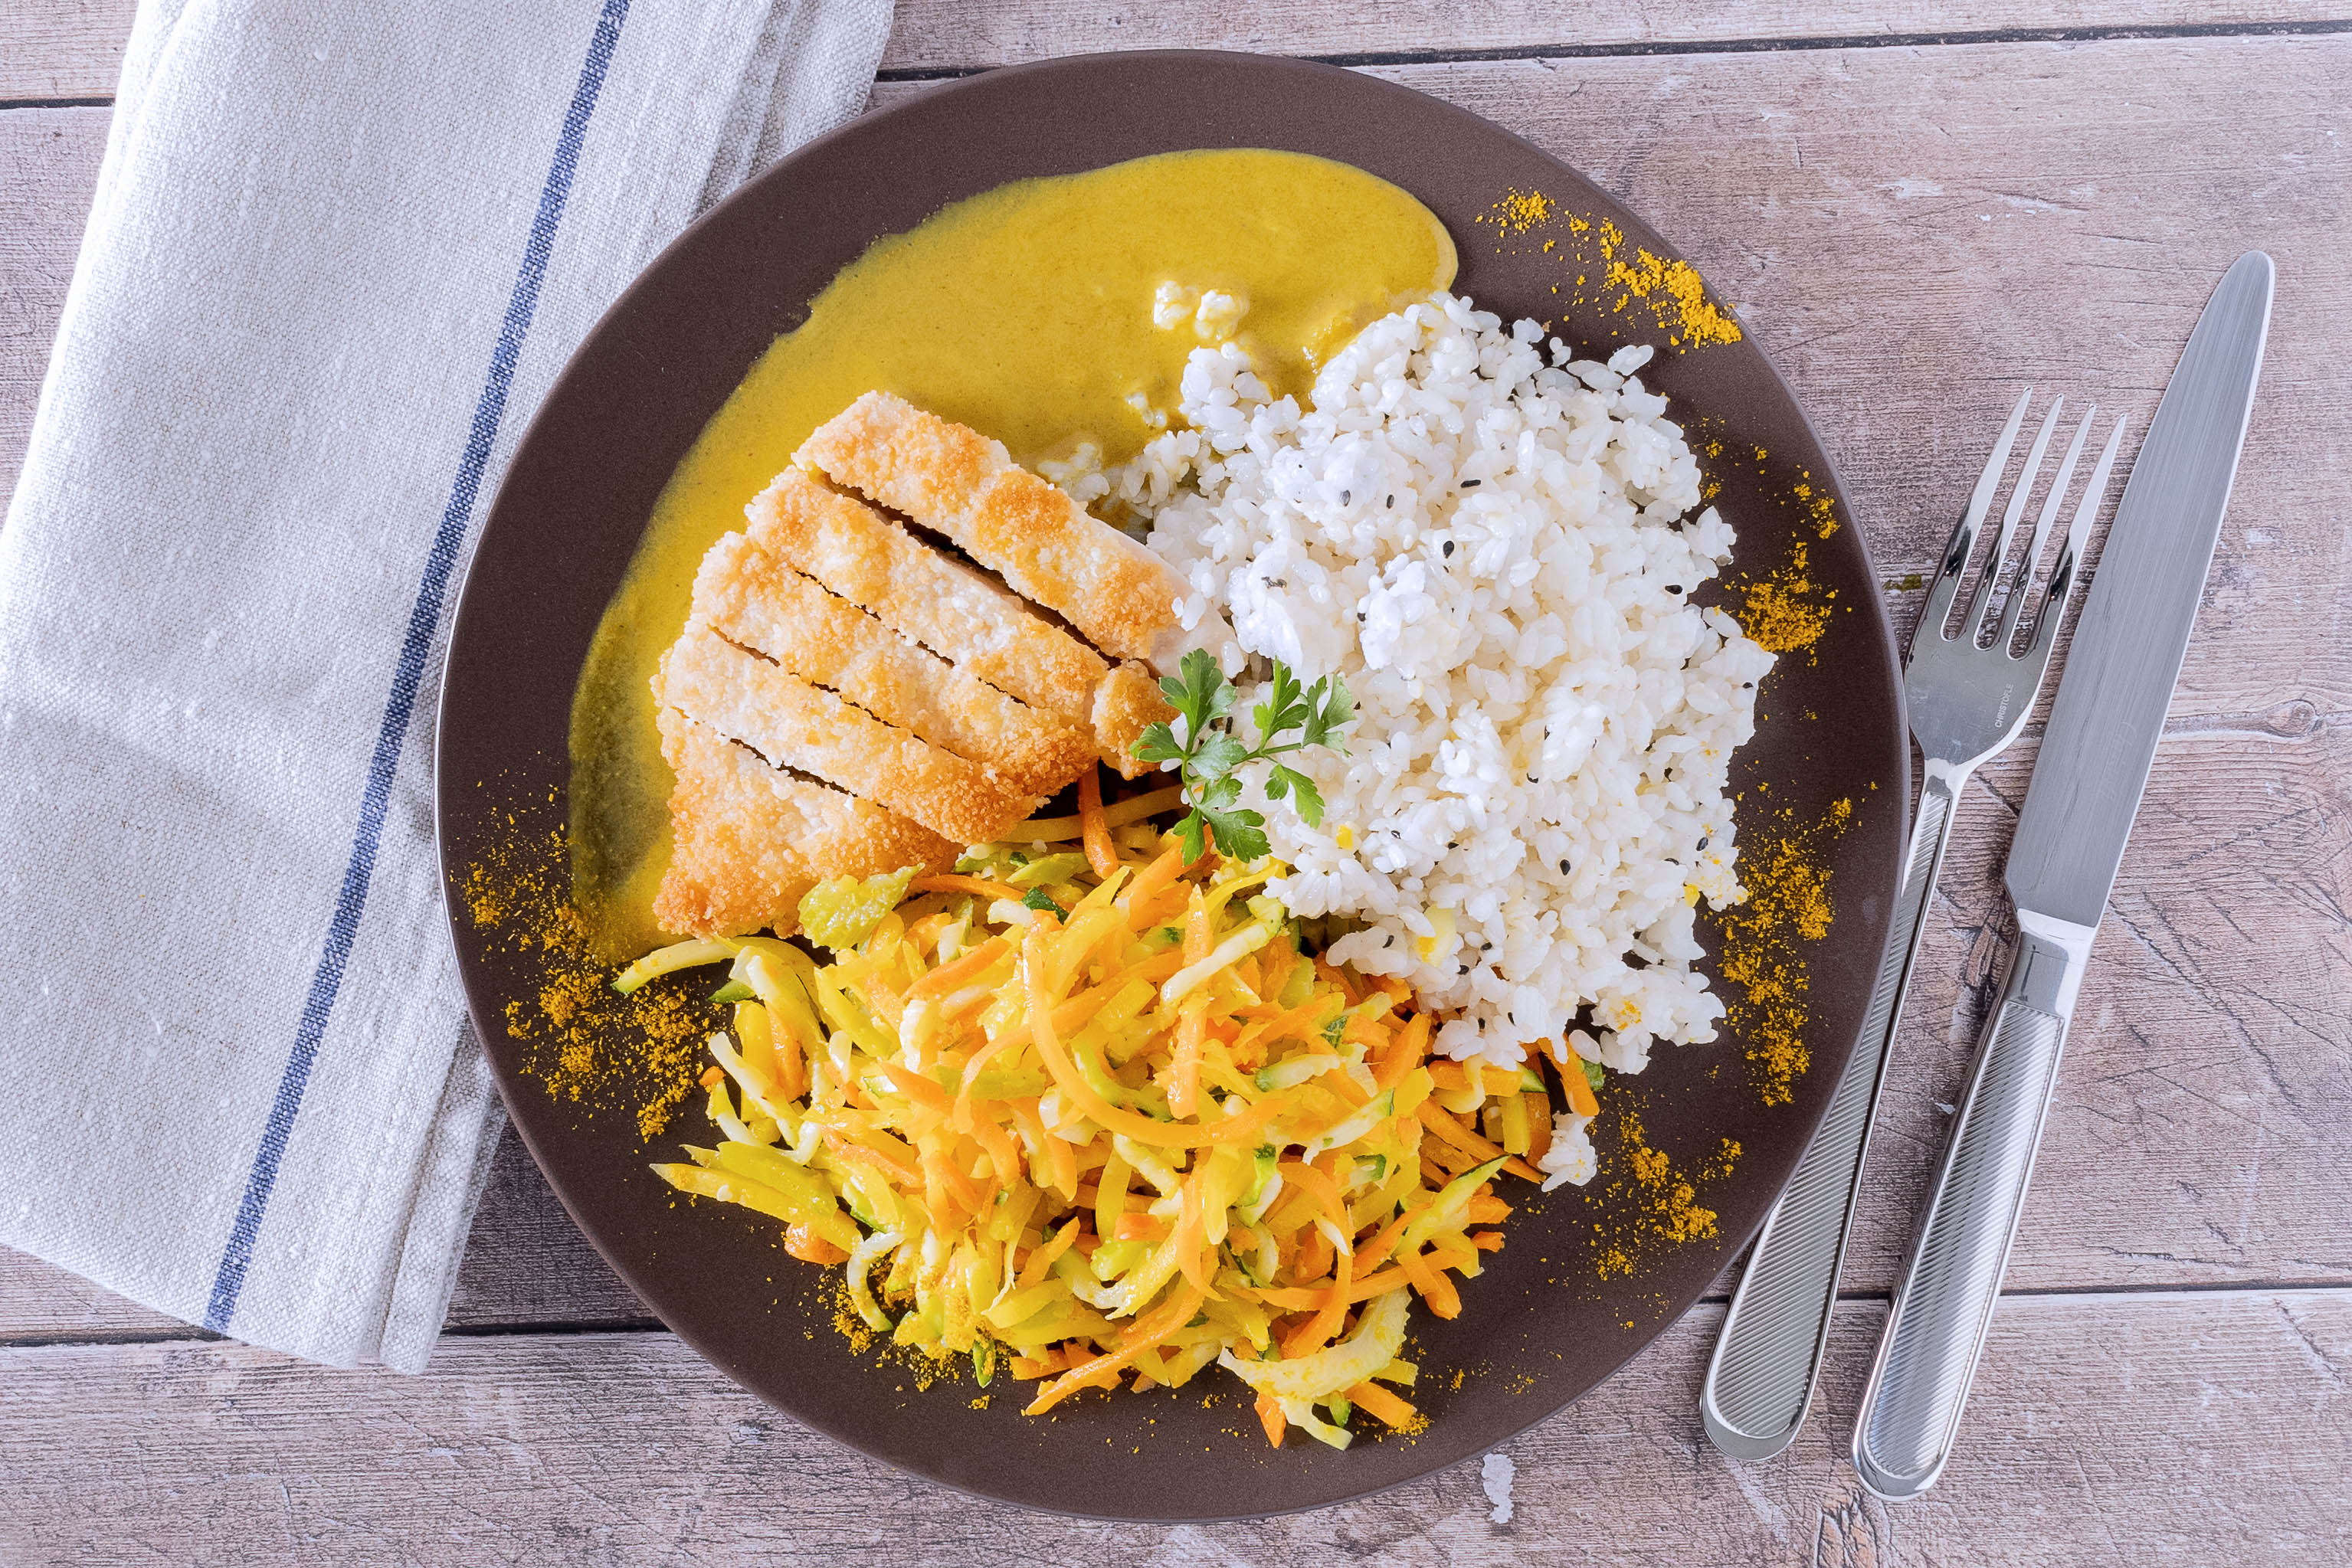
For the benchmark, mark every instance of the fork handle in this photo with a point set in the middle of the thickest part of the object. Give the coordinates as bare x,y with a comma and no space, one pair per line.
1937,1322
1768,1355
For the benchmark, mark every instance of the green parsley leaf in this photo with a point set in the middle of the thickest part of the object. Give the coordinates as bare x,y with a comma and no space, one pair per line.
1332,710
1301,789
1240,833
1158,745
1212,752
1592,1073
1215,757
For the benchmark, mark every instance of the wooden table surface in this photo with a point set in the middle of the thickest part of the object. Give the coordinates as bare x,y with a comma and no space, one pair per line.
1917,206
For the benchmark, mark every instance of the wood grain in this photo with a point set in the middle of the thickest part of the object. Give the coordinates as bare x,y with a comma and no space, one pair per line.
62,48
49,167
949,34
73,48
2213,1428
2191,1144
1912,233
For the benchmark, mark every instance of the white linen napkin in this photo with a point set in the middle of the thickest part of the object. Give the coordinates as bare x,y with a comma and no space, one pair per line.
338,250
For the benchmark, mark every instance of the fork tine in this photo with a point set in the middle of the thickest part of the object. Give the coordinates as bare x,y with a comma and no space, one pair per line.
2031,557
1962,544
2062,575
1971,622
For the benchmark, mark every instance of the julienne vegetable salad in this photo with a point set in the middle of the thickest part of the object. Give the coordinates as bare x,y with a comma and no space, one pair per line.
1091,1117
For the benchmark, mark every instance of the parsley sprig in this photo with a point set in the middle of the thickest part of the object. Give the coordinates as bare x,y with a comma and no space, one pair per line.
1213,751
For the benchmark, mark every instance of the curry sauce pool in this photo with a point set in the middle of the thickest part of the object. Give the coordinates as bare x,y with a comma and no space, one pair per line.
1026,312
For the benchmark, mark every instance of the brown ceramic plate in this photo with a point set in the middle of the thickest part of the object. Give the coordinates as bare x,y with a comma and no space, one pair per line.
1542,1325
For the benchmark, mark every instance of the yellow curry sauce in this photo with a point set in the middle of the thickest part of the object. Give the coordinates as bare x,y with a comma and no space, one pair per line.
1027,313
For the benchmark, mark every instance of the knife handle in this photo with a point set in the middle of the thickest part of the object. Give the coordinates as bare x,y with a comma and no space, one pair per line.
1937,1322
1768,1356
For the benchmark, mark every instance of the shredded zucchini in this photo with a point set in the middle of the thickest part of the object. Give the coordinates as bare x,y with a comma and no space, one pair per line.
1123,1127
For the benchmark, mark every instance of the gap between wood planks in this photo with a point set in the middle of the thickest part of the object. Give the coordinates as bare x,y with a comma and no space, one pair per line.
547,1328
1632,49
1635,49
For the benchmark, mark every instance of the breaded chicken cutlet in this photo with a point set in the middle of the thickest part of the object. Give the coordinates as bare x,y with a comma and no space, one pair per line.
751,839
845,692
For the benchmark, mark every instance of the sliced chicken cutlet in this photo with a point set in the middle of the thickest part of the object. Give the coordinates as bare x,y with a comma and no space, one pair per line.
750,839
950,478
946,607
790,722
754,599
954,611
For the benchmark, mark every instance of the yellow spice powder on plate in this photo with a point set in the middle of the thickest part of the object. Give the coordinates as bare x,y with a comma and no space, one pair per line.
585,1041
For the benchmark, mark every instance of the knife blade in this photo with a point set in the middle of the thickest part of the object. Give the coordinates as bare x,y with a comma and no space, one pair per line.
2086,787
2133,631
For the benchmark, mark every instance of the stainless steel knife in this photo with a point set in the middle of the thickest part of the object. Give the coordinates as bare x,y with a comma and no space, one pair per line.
2093,764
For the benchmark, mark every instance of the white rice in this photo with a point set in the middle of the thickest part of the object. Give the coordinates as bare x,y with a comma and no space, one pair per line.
1487,543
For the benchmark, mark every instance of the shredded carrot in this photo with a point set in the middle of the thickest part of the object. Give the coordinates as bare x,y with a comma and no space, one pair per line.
1578,1088
1102,853
1449,1127
1033,1270
896,1174
1319,1330
1184,1066
1375,1253
1128,1124
1270,1416
1149,884
922,1091
1434,1287
1319,1185
979,887
807,1246
1017,1091
1382,1405
949,976
1538,1127
1147,1333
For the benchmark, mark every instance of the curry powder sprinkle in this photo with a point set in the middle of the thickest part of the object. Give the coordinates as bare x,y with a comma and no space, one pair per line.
1788,904
587,1043
1676,294
1782,613
1520,211
1663,1201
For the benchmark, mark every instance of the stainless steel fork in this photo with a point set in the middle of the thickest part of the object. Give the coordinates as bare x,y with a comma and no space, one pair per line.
1968,698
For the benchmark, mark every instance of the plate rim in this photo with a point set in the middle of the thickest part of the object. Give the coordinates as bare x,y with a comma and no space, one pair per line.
446,792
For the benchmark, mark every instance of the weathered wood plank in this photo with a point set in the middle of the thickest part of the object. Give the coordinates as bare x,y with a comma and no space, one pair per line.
73,48
62,48
2213,1428
49,167
2189,1143
938,35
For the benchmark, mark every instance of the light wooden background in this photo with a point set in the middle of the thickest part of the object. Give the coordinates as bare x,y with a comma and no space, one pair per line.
1918,205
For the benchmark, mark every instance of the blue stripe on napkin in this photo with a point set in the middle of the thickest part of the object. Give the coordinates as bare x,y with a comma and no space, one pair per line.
423,617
